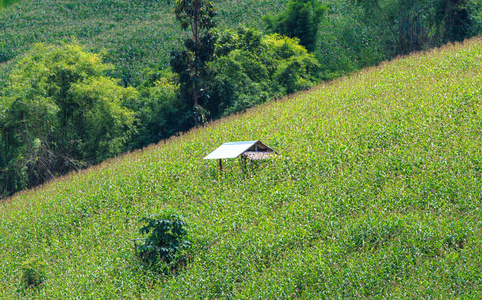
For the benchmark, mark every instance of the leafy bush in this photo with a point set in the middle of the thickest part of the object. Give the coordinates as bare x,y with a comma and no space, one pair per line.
300,19
252,68
4,3
33,272
166,245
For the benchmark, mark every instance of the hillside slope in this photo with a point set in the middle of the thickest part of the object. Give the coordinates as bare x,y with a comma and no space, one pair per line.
376,193
135,34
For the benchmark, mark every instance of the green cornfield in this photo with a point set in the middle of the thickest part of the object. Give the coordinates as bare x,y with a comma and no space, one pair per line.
376,193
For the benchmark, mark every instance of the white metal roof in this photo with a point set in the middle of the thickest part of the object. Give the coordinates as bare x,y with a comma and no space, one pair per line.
235,149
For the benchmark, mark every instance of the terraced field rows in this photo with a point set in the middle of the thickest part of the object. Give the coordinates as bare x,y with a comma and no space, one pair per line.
376,193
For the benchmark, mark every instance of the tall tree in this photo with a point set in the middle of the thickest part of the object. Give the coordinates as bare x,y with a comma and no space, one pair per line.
196,18
300,19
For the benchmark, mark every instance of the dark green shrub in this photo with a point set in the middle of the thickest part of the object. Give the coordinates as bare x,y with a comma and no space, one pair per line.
4,3
300,19
166,246
252,68
34,272
158,110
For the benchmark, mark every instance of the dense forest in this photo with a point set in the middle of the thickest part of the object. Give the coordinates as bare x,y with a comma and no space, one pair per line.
67,103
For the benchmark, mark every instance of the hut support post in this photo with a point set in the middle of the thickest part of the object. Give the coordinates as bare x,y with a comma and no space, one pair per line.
221,165
244,165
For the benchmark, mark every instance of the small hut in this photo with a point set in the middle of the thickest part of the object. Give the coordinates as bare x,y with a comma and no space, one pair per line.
252,150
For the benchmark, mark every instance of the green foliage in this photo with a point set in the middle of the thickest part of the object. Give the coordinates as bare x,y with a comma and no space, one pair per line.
134,34
34,272
356,34
125,31
60,113
158,110
346,43
296,69
166,244
197,16
4,3
416,25
103,123
459,19
73,116
300,19
252,68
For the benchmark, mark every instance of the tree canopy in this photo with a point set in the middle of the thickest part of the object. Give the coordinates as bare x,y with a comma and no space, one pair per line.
300,19
60,113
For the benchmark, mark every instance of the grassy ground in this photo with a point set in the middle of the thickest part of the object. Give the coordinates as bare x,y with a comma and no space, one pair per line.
376,193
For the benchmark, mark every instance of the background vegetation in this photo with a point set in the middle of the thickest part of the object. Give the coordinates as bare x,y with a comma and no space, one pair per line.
57,117
135,35
60,114
4,3
376,193
300,19
138,35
